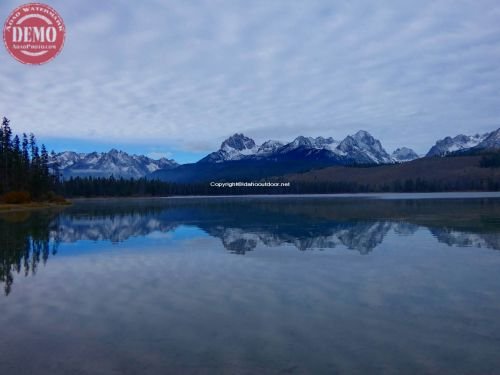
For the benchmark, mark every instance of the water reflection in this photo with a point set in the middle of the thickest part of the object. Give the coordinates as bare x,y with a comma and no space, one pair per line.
244,224
26,240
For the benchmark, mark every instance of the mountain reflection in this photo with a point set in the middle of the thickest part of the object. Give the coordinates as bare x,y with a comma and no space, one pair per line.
245,224
362,237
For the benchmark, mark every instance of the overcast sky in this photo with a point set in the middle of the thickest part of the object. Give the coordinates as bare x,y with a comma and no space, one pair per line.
177,77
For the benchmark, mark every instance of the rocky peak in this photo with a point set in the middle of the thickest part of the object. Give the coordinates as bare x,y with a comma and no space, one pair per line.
239,142
404,154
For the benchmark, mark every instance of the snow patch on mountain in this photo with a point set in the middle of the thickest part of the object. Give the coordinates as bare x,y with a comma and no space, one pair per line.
492,140
318,143
404,154
460,142
269,147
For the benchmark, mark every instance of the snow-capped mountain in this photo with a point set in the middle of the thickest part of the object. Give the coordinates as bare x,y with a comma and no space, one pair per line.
235,147
67,159
404,154
238,142
270,158
239,157
362,148
459,143
269,147
318,143
105,164
491,141
359,148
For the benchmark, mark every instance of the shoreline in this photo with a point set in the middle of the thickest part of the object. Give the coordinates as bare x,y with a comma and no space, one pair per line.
10,207
422,195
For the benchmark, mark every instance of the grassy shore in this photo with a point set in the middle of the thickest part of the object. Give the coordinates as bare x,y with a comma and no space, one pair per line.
6,207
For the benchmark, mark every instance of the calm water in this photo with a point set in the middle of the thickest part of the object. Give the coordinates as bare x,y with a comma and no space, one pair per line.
253,286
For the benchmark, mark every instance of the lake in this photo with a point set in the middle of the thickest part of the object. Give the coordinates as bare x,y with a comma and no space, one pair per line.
375,284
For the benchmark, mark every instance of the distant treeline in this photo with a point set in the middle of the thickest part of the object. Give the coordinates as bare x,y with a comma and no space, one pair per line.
112,187
24,167
410,185
490,160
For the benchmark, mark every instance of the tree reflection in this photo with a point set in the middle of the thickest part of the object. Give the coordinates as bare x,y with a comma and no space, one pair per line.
26,241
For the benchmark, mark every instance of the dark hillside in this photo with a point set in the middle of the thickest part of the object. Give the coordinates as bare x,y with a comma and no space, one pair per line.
426,174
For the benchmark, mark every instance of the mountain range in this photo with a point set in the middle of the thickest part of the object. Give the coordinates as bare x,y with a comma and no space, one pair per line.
105,164
240,157
463,143
360,148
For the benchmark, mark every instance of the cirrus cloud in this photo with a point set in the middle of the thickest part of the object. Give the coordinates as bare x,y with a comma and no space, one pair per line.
165,73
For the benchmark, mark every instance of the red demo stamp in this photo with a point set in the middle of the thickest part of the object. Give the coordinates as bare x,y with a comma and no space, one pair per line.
34,33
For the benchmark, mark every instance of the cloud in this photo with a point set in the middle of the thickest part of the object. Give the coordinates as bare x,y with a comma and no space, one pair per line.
191,73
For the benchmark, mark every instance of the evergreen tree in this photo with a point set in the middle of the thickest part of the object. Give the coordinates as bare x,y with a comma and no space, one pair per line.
25,157
6,153
25,151
54,169
23,166
44,169
16,164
